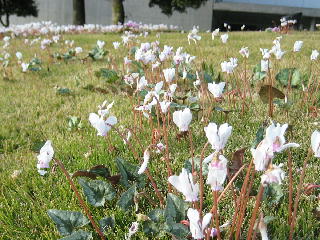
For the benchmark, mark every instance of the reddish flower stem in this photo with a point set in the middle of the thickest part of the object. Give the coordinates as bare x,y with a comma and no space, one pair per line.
299,190
255,212
81,201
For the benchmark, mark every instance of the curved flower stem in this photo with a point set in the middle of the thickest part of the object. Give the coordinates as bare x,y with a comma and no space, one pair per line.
191,150
290,187
153,183
242,201
255,212
215,196
299,190
81,201
230,182
201,178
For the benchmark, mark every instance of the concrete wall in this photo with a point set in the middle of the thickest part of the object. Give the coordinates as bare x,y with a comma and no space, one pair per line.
288,3
100,12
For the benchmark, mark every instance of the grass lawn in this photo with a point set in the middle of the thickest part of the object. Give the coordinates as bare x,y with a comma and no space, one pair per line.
32,111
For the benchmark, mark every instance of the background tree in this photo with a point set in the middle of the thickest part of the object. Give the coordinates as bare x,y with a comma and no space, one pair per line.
117,11
168,6
21,8
79,14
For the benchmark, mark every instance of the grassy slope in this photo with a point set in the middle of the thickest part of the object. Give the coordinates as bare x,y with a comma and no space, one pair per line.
32,112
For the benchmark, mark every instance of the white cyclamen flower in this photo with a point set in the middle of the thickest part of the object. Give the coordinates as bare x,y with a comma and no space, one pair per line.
244,52
101,125
217,172
215,33
24,66
297,46
274,174
116,45
103,110
218,137
100,44
169,74
196,226
315,143
142,83
314,55
265,65
262,156
184,184
265,53
78,50
144,165
216,89
45,156
224,38
19,55
182,119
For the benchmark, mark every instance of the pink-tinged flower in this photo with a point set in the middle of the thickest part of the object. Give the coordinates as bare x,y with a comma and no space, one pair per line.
216,89
244,52
45,156
273,175
182,119
184,184
297,46
218,137
132,230
101,125
315,143
169,74
144,165
196,226
217,172
275,138
222,228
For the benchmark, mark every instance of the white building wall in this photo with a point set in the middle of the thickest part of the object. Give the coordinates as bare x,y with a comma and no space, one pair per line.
100,12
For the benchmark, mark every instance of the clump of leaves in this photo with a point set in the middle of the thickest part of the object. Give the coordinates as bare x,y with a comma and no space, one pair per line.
74,123
97,53
110,76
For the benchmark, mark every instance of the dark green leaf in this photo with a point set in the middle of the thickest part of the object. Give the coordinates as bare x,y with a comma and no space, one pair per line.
67,221
97,191
127,198
107,222
272,194
79,235
175,209
129,172
110,76
156,215
291,74
100,170
178,230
